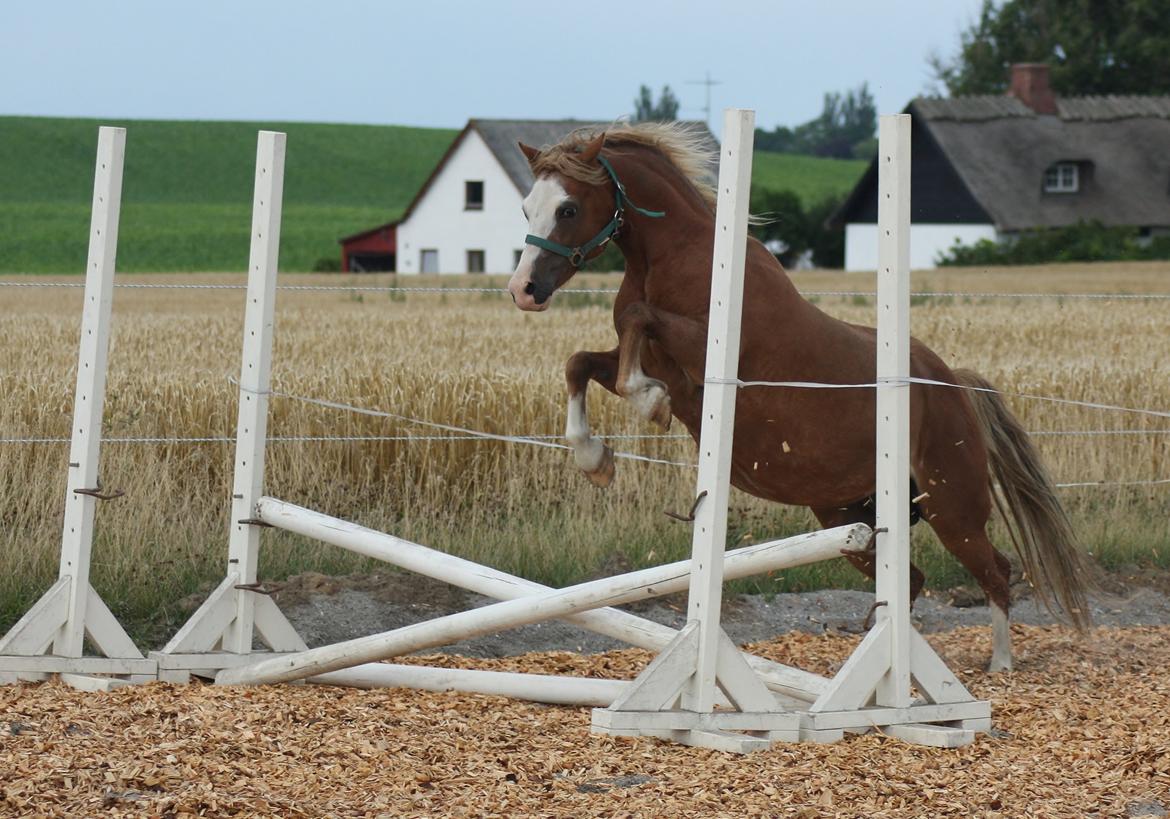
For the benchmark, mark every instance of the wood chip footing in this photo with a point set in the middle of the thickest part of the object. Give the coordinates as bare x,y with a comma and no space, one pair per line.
1081,728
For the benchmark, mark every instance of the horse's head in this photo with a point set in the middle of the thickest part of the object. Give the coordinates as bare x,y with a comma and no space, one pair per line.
569,222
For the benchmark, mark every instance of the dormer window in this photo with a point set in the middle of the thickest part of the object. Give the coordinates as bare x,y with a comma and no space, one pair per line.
473,195
1062,177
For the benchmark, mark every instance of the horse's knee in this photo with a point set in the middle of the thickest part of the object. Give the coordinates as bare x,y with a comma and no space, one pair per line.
638,316
582,366
577,370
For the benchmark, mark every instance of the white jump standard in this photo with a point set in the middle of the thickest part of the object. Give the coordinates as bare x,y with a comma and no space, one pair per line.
674,697
234,614
50,637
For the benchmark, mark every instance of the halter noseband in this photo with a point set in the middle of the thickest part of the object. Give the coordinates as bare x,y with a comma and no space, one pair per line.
576,255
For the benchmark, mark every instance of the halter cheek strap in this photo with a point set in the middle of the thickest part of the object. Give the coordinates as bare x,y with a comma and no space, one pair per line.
577,255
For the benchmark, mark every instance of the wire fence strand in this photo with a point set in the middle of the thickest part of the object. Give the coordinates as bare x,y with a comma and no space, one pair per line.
500,291
457,433
931,382
225,439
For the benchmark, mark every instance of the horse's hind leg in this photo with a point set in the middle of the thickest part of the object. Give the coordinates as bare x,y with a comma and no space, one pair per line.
864,560
958,513
992,570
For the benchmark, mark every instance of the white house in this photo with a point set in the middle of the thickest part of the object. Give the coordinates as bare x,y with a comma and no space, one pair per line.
466,218
988,167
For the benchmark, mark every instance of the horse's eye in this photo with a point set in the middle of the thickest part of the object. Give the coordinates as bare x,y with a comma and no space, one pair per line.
567,212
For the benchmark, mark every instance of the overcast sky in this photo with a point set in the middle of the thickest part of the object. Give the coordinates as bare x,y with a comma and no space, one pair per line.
438,63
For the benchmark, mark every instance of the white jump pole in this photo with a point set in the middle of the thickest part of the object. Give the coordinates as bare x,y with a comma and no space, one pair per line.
620,625
611,591
255,378
718,424
233,613
546,688
873,687
89,402
676,694
893,404
71,609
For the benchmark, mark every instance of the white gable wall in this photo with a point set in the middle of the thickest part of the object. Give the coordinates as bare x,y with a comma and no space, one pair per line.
927,243
440,222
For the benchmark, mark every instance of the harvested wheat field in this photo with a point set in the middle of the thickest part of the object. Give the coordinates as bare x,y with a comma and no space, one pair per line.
1080,729
472,360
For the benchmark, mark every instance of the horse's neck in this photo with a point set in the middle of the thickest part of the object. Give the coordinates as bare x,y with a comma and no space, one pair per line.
661,251
671,256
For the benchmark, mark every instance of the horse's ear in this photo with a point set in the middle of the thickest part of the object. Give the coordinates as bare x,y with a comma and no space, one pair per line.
529,152
592,149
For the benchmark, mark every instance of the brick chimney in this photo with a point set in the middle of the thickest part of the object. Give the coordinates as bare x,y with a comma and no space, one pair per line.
1030,86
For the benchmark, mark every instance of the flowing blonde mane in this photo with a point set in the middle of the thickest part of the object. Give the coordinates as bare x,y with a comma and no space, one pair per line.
684,145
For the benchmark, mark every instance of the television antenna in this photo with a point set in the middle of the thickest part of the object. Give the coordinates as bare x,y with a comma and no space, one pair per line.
708,82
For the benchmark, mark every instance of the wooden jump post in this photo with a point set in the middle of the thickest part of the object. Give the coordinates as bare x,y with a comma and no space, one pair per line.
49,639
675,697
234,615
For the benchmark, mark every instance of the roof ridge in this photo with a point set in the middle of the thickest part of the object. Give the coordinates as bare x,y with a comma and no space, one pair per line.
1089,107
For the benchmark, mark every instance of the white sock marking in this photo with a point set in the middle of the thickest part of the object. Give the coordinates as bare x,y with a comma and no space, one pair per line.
1001,640
587,450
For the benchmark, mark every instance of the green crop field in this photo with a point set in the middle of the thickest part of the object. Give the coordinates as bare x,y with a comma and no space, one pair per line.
188,189
809,177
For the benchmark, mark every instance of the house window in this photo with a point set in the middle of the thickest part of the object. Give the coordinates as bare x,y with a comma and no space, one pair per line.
1062,177
473,195
428,261
475,261
516,254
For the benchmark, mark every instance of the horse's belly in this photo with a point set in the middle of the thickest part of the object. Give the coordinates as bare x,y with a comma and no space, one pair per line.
813,479
793,446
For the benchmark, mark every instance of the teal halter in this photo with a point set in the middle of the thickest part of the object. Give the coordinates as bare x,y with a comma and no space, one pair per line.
576,255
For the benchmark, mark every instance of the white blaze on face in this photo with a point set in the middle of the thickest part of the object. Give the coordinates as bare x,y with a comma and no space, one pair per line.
541,207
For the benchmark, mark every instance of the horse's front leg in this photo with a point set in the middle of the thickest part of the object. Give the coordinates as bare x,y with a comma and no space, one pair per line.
684,342
592,456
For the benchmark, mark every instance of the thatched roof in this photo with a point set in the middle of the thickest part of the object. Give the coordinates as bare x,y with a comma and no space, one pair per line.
1001,148
998,148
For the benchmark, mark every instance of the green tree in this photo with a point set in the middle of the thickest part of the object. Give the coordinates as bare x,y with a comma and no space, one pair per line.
646,110
785,222
1091,47
844,129
798,227
827,243
845,121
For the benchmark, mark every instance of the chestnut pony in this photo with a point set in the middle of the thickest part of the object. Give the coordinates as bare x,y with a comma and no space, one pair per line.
808,447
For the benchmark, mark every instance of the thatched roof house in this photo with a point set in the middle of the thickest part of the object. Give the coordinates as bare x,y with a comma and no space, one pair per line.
988,166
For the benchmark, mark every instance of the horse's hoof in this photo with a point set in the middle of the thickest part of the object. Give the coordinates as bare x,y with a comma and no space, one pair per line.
660,412
652,402
999,664
602,476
